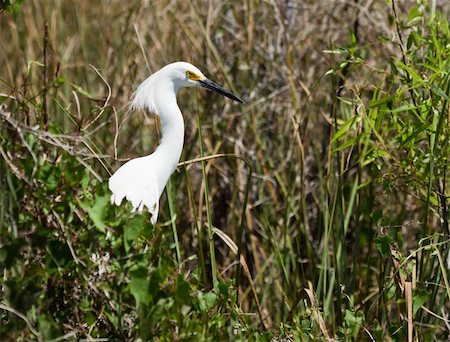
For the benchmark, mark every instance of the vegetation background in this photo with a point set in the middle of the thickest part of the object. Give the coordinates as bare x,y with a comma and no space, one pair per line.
320,213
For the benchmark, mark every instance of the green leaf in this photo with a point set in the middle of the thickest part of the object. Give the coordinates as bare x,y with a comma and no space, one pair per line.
210,299
85,181
155,279
139,285
405,108
96,212
59,80
377,330
3,98
11,6
90,318
182,290
82,91
411,71
414,134
48,327
414,12
206,300
350,142
132,230
223,289
439,91
345,127
420,296
381,102
354,321
114,319
329,72
383,244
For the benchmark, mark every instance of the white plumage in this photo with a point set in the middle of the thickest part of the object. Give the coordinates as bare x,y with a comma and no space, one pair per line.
142,180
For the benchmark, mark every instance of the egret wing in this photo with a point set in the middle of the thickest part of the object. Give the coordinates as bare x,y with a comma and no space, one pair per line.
137,181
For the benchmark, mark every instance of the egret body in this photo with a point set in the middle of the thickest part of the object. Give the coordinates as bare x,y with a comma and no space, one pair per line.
142,180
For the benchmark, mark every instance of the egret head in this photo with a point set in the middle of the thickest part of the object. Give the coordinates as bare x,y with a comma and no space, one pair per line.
186,75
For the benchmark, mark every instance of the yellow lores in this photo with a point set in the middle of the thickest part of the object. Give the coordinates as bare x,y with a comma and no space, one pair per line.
193,76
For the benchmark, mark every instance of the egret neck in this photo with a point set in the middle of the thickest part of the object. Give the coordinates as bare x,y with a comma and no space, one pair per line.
172,128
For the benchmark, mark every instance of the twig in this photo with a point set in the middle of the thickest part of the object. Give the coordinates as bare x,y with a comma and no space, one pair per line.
105,104
13,167
409,304
64,337
234,248
23,317
442,318
44,122
69,244
141,45
316,313
116,134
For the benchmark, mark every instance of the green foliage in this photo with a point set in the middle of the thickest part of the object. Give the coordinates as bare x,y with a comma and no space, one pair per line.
11,6
87,260
404,132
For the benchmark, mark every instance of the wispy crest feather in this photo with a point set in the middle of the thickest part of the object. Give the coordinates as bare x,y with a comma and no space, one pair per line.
142,97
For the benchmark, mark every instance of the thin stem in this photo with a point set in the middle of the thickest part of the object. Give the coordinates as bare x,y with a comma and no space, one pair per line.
173,214
197,226
212,252
244,207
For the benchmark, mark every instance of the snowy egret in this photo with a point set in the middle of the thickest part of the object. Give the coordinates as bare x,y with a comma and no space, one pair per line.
142,180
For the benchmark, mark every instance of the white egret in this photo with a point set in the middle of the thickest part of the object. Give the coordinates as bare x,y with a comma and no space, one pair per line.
142,180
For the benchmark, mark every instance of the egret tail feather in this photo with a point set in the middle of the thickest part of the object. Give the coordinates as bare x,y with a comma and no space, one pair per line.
137,181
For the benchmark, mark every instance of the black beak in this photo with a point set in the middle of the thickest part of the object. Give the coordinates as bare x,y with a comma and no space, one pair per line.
210,85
